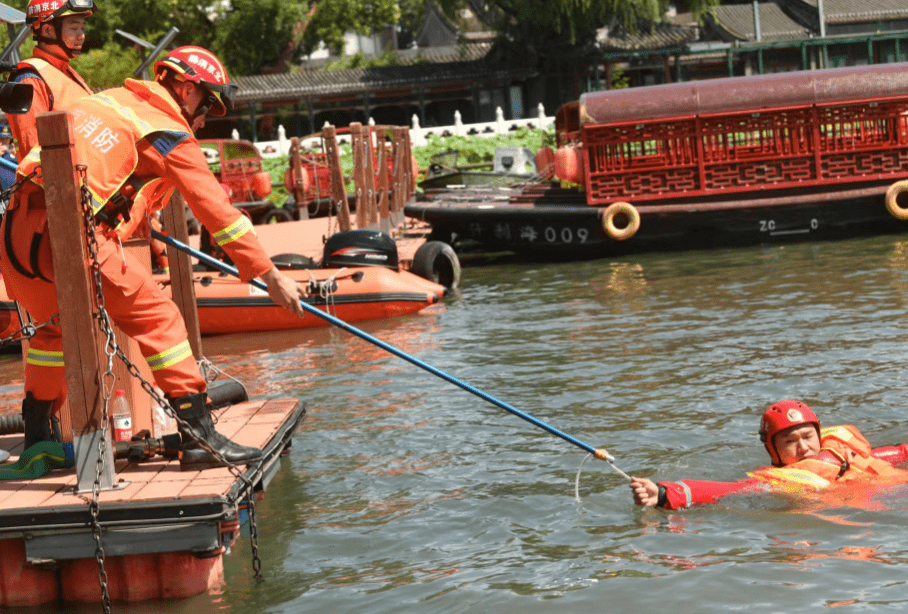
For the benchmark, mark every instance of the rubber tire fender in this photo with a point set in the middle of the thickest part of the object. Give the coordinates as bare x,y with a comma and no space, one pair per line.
621,209
276,215
892,205
437,262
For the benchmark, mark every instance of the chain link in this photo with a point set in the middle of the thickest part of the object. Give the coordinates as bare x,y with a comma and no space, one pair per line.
28,331
107,382
112,348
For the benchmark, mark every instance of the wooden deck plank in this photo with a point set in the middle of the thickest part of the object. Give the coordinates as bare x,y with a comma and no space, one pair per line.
163,491
208,488
12,443
254,423
8,490
30,494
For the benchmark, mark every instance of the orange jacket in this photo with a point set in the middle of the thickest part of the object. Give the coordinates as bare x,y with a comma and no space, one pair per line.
135,135
56,87
839,443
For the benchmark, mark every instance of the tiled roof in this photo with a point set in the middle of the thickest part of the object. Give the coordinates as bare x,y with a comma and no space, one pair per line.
738,21
661,36
283,87
851,11
453,53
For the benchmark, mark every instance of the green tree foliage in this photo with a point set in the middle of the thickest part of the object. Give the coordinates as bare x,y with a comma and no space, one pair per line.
561,29
110,65
252,33
333,18
245,34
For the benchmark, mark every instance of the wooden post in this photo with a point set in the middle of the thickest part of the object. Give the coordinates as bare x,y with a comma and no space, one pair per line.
410,177
181,283
296,168
338,191
69,249
384,219
400,176
370,215
359,172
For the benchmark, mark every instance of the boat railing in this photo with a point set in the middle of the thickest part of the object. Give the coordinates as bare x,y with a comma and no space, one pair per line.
789,147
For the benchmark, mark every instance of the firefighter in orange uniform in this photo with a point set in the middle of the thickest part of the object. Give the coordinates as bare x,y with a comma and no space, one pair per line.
805,458
137,142
59,30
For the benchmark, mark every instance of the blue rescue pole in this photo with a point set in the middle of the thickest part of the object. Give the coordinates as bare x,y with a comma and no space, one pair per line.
599,453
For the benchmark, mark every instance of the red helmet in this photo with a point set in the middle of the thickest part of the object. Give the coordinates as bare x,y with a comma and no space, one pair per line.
203,67
42,11
781,416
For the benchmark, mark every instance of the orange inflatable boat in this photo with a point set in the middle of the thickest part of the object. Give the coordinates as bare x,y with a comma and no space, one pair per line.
227,305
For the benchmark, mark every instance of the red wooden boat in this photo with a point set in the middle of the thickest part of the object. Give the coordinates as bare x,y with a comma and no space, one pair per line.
775,158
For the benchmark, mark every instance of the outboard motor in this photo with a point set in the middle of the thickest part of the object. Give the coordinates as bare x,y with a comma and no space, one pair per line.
360,248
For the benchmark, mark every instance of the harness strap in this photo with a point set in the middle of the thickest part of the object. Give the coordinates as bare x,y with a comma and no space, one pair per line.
33,256
8,243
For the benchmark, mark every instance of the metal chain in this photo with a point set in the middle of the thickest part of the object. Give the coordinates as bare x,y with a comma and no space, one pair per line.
113,348
254,538
107,382
28,331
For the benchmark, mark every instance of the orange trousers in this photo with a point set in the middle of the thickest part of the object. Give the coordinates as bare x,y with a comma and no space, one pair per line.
133,300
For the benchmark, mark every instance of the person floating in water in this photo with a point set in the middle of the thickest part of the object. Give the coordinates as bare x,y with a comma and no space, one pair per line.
803,455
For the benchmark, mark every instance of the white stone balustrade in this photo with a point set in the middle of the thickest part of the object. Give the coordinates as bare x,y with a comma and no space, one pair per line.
418,135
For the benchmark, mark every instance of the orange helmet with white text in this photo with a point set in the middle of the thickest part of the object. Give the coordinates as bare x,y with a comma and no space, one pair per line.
42,11
780,416
200,66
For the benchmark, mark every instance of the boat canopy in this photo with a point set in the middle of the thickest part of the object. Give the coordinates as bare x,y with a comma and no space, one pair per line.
731,94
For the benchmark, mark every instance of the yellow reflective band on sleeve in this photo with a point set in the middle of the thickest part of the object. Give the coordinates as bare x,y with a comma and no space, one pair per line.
234,231
790,478
44,358
170,357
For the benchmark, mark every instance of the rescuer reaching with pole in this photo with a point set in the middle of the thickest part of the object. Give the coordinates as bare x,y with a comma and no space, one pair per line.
138,146
803,456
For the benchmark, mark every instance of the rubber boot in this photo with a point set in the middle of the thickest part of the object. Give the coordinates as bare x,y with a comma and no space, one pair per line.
193,411
40,423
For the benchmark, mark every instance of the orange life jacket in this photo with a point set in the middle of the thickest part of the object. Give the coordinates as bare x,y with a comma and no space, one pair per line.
107,127
64,91
852,461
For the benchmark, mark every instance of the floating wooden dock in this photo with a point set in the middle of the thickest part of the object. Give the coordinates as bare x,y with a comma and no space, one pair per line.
156,532
165,530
